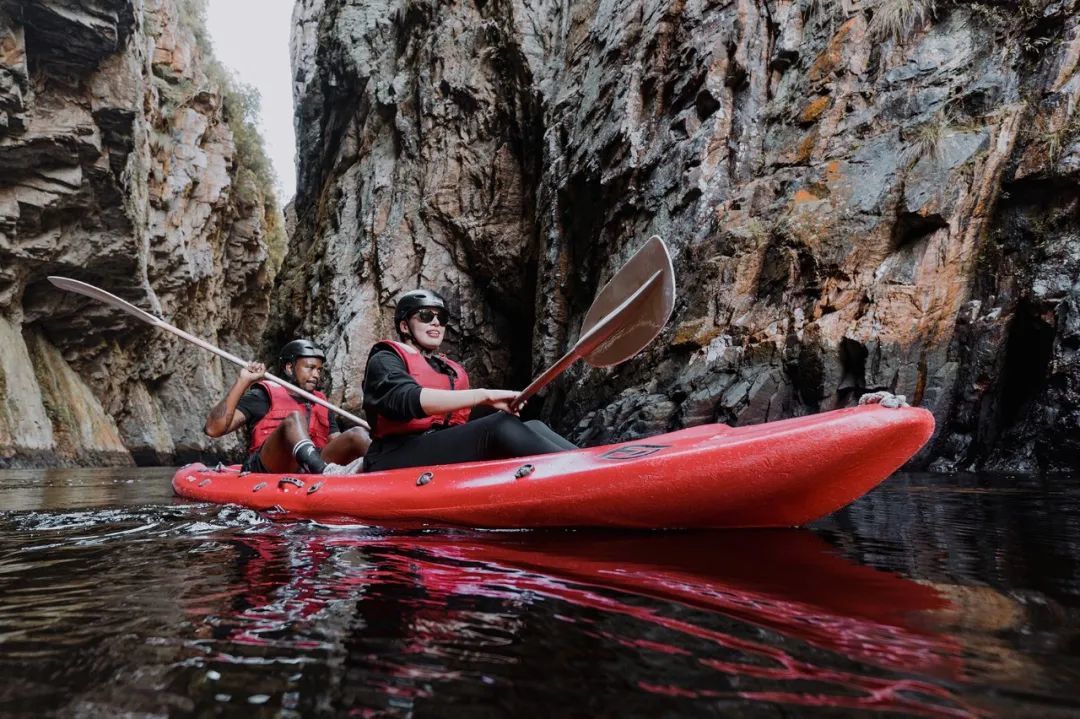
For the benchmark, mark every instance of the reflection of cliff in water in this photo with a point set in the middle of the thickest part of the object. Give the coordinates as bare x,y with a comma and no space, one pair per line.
1010,531
1004,549
773,617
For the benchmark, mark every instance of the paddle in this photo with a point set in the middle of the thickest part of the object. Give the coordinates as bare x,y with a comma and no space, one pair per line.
627,314
112,300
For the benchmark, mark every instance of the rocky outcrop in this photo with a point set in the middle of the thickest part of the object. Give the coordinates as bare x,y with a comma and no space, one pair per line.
120,164
859,194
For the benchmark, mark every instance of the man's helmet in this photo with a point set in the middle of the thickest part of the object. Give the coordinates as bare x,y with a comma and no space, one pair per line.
299,348
415,300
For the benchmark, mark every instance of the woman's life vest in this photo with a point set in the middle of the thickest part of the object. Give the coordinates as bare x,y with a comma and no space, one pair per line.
281,404
426,376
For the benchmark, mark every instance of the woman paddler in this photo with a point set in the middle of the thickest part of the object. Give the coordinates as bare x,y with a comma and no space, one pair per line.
418,400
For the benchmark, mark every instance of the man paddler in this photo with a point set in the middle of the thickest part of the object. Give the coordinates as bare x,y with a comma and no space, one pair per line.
286,432
419,400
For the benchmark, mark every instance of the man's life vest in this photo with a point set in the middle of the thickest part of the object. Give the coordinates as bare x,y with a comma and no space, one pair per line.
426,376
281,404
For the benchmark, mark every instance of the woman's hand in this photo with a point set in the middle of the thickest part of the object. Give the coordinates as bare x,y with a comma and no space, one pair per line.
500,399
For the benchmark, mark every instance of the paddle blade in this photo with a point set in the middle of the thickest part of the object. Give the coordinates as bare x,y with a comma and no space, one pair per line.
627,314
638,323
66,283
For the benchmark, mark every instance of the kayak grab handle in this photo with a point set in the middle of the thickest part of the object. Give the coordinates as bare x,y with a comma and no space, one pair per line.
524,471
424,479
291,480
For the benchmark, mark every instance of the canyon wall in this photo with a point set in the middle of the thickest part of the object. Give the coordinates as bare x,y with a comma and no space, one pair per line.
125,161
858,195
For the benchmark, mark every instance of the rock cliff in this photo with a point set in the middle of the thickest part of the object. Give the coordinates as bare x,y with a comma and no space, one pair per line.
859,194
125,161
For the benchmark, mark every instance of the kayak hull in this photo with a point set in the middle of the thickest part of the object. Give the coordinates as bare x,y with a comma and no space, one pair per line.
779,474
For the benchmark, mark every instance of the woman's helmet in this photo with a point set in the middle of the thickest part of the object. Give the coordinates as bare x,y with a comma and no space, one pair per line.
415,300
297,349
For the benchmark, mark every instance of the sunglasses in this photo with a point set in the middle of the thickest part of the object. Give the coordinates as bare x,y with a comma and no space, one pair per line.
426,316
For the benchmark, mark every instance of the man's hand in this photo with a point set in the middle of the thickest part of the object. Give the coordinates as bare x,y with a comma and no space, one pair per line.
224,417
252,373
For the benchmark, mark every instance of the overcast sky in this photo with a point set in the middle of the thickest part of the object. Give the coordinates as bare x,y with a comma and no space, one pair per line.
251,38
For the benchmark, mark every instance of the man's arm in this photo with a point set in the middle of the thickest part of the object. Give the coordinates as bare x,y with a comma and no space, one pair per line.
224,417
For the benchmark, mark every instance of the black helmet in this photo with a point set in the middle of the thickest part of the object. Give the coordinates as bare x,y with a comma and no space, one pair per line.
299,348
415,300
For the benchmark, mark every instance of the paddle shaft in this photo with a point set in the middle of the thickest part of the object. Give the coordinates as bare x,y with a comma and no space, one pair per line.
592,339
266,375
108,298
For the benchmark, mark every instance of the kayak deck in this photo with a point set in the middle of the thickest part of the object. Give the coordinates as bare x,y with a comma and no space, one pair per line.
777,474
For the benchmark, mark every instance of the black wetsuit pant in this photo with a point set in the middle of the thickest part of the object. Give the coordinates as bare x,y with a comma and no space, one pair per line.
496,436
253,463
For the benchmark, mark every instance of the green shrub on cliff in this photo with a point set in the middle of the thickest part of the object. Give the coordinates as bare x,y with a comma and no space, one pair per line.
240,107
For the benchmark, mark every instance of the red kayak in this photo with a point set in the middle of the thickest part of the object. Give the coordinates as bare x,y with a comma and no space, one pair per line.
778,474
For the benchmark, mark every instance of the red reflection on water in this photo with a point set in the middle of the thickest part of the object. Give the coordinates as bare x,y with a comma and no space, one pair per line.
790,583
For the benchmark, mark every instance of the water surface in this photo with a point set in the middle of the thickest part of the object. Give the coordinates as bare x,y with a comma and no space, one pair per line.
948,596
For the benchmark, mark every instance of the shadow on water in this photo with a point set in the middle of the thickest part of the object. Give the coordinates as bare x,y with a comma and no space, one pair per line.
906,604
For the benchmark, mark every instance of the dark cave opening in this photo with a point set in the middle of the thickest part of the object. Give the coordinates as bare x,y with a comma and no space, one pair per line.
911,227
853,363
1028,353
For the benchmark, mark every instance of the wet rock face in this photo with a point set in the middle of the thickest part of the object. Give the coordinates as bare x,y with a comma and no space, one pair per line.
858,196
118,167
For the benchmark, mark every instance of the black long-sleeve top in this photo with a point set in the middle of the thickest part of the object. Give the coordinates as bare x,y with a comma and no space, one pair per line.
390,390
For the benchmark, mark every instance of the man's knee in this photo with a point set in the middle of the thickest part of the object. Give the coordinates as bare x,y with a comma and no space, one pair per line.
293,427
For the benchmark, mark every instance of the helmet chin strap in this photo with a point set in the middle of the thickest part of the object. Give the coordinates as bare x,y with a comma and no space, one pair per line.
410,338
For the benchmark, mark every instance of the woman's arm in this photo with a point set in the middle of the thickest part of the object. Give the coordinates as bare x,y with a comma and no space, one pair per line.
444,401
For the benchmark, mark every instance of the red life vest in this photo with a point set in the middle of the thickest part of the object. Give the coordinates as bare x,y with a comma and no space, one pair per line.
426,376
281,404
